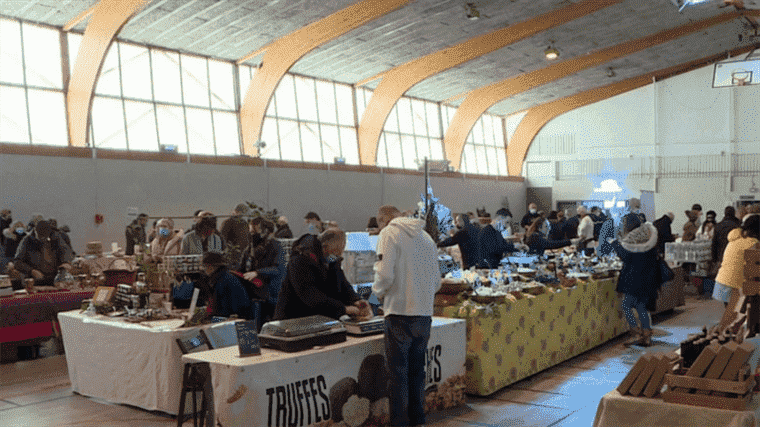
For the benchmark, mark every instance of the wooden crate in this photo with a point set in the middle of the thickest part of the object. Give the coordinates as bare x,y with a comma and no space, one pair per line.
678,386
647,377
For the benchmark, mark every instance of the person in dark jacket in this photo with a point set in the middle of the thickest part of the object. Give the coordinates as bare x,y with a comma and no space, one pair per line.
570,227
261,262
557,226
135,234
491,247
6,219
283,229
467,239
720,238
664,232
529,217
537,243
640,277
607,232
235,234
312,285
40,254
224,294
691,227
13,235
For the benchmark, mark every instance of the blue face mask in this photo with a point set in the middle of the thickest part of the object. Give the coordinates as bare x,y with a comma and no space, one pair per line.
164,231
312,229
331,259
19,231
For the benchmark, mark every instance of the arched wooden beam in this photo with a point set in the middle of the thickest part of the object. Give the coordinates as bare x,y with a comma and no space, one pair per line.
285,51
480,100
402,78
107,20
539,116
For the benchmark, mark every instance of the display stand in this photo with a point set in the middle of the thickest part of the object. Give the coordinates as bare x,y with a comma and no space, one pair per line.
514,340
135,364
340,382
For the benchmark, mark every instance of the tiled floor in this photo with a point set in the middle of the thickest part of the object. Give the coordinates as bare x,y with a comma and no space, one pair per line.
36,393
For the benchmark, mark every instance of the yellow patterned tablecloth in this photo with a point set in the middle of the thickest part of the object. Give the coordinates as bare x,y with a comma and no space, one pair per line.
514,340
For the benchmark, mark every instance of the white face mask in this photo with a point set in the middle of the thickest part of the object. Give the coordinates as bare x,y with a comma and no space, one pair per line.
533,211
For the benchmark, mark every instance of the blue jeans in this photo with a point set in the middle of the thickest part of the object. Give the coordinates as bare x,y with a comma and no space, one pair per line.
406,341
629,303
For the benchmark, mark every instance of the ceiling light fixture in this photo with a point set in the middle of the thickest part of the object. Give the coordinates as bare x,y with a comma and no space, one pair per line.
551,53
472,12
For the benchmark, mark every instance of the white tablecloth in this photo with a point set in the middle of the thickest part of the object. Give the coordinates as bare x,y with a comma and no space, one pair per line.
276,387
616,410
135,364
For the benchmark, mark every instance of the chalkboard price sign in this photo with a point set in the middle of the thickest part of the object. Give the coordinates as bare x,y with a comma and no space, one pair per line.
248,339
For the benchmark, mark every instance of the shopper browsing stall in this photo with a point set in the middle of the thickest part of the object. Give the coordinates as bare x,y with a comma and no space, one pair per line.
537,243
40,254
664,232
722,230
307,289
492,246
639,279
261,261
203,239
135,234
225,295
406,280
730,277
529,217
168,241
283,229
467,240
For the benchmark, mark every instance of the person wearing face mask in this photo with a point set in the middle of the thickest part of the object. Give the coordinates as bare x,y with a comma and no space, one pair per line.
529,217
313,223
167,242
260,264
203,239
315,284
40,254
504,219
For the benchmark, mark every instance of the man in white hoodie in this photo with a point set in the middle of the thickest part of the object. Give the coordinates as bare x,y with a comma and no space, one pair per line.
406,280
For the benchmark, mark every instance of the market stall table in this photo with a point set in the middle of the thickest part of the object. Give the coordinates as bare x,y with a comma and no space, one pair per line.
339,382
617,410
135,364
26,319
514,340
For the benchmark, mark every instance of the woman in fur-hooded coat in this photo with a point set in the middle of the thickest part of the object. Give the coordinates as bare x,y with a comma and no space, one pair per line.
640,277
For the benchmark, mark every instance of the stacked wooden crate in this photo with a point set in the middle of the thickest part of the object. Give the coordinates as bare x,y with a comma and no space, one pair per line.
720,377
647,376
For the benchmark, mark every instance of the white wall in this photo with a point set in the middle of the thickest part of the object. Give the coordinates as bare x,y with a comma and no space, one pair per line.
73,190
680,116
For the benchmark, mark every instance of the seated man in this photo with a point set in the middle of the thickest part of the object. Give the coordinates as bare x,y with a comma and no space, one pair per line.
224,294
40,254
315,284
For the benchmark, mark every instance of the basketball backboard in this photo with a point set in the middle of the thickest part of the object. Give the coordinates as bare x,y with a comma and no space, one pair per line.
736,73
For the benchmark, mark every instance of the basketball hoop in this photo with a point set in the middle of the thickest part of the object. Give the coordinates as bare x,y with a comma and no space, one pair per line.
741,77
